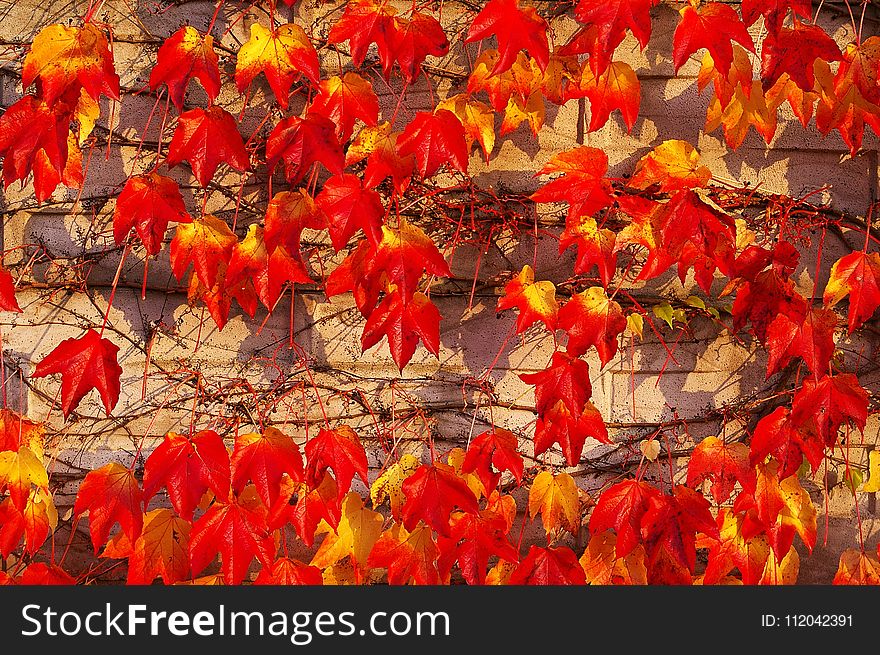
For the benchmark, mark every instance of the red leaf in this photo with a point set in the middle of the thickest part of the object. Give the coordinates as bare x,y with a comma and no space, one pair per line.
613,18
344,99
264,459
8,302
300,142
204,138
475,538
315,505
724,464
595,246
341,450
407,555
569,430
498,448
289,572
414,39
774,11
793,52
148,203
713,26
404,322
110,494
622,507
431,494
515,28
288,214
348,207
812,339
88,362
591,319
857,275
31,132
435,139
566,379
38,573
582,185
549,566
185,55
188,467
237,533
378,145
365,22
823,406
775,434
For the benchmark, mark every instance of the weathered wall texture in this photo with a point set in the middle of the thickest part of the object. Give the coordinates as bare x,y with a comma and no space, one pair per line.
247,373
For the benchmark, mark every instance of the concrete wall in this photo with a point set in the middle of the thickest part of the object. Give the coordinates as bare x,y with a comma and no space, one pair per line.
247,373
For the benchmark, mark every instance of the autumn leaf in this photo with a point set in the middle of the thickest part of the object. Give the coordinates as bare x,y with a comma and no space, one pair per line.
301,142
183,56
313,506
555,497
621,507
823,406
515,28
85,363
857,568
8,301
559,425
19,470
548,566
365,22
40,573
872,486
582,184
237,532
413,40
431,494
732,549
602,566
348,206
358,530
477,119
161,550
147,203
62,58
378,145
287,215
110,494
475,539
340,449
496,448
612,20
567,379
345,99
812,339
404,322
434,139
389,485
595,246
774,11
408,555
287,572
723,464
281,54
858,276
188,467
713,26
617,87
33,523
207,243
33,138
205,138
793,52
536,301
592,319
672,165
264,459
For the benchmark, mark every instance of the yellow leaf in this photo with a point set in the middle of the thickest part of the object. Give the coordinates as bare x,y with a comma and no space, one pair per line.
857,568
556,498
872,486
358,530
602,566
388,485
635,323
784,572
673,165
477,118
18,471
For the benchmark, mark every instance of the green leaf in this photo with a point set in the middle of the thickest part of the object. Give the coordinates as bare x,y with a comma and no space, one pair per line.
664,312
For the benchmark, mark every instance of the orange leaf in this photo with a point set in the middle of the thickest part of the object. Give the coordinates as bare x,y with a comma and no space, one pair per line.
110,494
185,55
